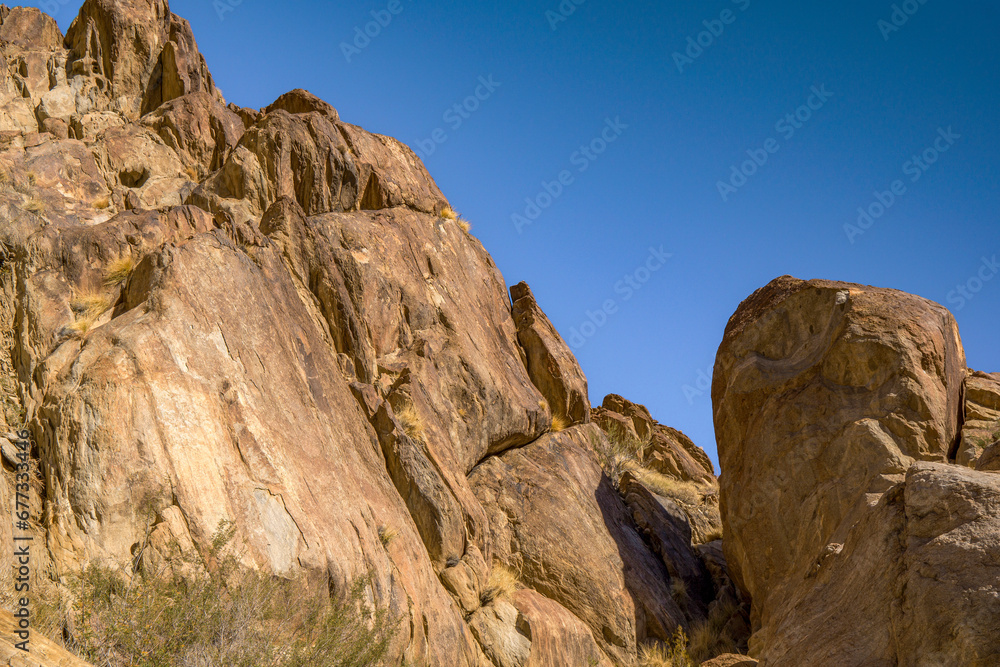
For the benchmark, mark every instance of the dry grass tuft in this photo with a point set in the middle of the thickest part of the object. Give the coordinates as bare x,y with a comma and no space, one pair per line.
621,452
711,638
387,535
102,204
118,271
192,173
32,178
673,654
559,423
448,214
88,308
82,325
668,487
90,303
34,205
465,225
411,421
713,536
501,584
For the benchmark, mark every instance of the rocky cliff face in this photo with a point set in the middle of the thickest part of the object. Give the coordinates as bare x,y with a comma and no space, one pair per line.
259,341
270,320
846,420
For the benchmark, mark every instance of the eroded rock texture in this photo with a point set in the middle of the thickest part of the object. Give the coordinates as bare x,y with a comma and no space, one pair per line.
838,411
214,314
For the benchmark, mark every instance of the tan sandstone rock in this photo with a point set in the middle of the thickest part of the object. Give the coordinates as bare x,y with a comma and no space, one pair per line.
42,651
144,53
912,584
215,314
796,469
827,396
557,636
730,660
981,424
552,366
562,526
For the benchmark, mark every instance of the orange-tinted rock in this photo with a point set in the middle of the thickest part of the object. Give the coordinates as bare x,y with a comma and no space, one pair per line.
551,364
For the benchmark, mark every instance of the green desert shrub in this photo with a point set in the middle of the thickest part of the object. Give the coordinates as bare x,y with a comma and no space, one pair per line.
225,618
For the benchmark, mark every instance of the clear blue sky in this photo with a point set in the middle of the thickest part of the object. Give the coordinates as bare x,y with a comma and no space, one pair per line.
656,184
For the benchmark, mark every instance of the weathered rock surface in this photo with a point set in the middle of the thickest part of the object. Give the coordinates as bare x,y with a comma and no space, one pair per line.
730,660
217,314
666,462
668,530
981,421
550,494
824,393
668,451
323,164
918,574
505,641
557,636
42,651
199,128
551,365
838,410
136,53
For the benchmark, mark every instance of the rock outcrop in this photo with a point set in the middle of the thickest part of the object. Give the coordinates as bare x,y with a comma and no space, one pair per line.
217,316
838,412
981,420
41,652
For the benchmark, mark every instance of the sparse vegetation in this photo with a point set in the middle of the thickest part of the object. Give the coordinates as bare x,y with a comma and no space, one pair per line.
621,452
88,307
90,303
711,637
411,421
673,654
34,205
32,178
993,435
559,423
668,487
387,535
192,173
222,617
713,536
102,203
47,608
448,213
501,584
118,271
